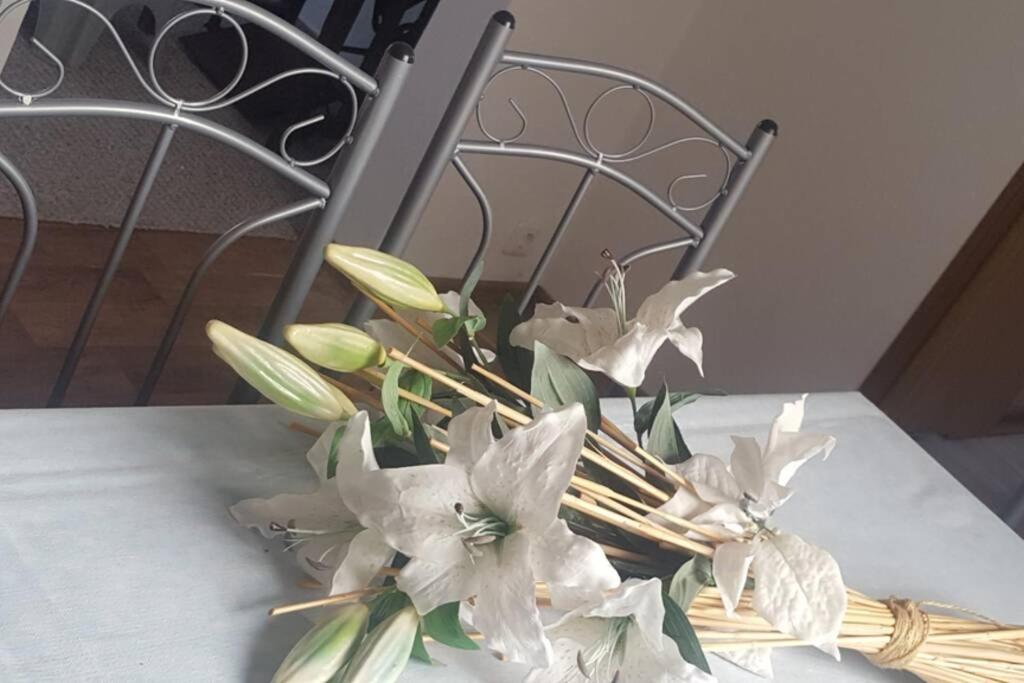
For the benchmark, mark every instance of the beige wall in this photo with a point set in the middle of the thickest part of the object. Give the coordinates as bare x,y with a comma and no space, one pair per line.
900,122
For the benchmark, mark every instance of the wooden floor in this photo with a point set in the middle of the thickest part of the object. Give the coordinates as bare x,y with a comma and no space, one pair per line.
61,276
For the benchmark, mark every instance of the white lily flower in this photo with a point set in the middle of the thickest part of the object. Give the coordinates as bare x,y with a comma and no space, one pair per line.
797,587
617,638
330,543
734,499
484,523
392,335
602,339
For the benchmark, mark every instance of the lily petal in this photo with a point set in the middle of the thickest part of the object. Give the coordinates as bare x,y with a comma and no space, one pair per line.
355,447
626,359
319,455
574,567
364,557
642,663
453,299
506,609
663,308
791,450
690,342
728,517
414,507
321,509
711,479
729,566
522,476
747,466
640,600
451,577
469,435
683,503
320,556
569,637
571,332
790,419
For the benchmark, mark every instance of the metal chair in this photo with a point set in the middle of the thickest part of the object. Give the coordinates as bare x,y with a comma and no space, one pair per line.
488,63
325,206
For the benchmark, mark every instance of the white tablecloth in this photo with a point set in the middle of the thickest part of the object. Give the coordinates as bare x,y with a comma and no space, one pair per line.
118,561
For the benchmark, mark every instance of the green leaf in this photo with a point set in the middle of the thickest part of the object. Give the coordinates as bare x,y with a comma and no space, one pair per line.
474,324
382,434
384,605
424,451
557,382
390,400
415,383
693,576
443,625
515,361
665,440
677,627
468,285
445,329
645,415
332,452
419,650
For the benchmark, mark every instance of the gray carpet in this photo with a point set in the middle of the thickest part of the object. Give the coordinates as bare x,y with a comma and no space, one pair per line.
84,170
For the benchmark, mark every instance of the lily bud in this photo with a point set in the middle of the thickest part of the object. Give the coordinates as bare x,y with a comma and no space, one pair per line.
385,651
332,345
321,653
388,278
278,375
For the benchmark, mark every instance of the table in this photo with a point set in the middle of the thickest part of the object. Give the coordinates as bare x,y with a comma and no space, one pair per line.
118,561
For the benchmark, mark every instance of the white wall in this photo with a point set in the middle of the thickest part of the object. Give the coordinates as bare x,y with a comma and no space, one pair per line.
899,124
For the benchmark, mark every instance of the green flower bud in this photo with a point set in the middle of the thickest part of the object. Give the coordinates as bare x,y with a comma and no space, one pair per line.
321,653
278,375
332,345
385,651
388,278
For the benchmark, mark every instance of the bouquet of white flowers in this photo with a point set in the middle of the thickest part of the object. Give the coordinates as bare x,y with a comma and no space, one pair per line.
469,490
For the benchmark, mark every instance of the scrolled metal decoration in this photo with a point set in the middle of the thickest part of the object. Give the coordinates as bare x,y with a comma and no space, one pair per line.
524,121
175,113
612,157
344,140
219,100
585,139
198,105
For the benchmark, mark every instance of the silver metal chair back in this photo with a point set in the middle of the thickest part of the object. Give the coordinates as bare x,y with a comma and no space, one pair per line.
490,62
325,206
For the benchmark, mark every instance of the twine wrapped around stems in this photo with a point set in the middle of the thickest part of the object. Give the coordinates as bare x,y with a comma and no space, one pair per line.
909,633
892,633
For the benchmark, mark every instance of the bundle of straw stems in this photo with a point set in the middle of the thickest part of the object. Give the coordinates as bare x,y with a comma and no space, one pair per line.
893,634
